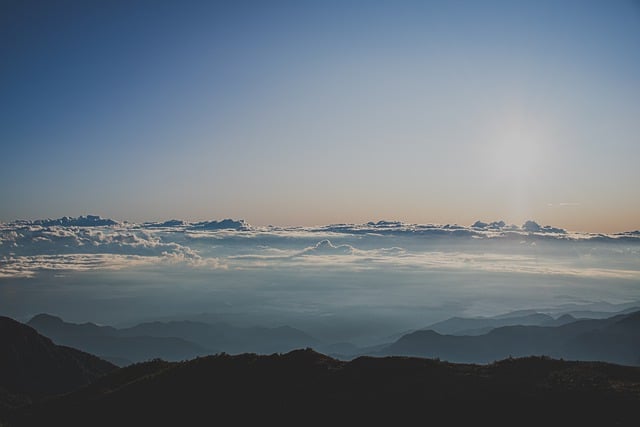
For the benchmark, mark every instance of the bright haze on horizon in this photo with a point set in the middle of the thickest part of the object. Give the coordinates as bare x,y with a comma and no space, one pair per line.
303,113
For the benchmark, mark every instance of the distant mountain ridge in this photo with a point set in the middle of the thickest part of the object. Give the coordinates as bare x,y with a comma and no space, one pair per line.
482,325
173,340
556,316
108,343
473,340
615,339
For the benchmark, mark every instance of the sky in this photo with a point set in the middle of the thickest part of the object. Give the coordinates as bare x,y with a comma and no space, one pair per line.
301,113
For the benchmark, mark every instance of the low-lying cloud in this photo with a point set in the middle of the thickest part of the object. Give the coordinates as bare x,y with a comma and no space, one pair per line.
91,242
354,282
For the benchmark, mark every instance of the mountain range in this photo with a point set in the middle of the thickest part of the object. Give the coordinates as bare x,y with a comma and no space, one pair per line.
42,383
307,388
172,340
615,339
482,325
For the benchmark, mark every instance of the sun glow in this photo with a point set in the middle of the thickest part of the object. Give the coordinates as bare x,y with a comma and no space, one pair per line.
514,156
518,145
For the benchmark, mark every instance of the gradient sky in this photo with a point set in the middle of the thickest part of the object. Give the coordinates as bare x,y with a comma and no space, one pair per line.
318,112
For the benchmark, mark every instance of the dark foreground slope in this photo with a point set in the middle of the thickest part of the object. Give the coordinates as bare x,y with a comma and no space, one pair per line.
32,367
307,388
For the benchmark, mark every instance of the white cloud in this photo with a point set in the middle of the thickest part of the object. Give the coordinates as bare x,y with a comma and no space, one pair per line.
325,247
28,266
28,247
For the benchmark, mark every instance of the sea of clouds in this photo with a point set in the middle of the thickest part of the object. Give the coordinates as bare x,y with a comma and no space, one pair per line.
355,282
91,242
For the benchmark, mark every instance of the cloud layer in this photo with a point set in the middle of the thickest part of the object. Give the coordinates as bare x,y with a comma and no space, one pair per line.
344,282
91,242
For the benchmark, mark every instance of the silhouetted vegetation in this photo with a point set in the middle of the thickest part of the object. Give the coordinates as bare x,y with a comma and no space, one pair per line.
304,387
33,367
307,388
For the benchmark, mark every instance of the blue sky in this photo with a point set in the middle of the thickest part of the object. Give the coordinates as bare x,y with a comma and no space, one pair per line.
318,112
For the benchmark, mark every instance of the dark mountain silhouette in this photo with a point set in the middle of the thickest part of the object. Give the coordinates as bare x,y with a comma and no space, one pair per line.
32,366
52,325
594,310
592,314
482,325
517,313
562,320
107,342
221,336
197,332
618,342
615,340
173,340
307,388
279,339
470,326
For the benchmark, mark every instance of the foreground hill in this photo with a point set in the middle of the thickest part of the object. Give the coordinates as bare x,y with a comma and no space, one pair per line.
31,366
307,388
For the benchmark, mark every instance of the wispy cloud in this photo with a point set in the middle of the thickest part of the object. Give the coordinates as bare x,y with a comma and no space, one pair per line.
563,205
